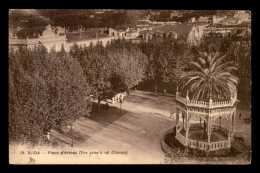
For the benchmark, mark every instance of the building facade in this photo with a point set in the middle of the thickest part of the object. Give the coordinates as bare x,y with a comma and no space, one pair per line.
50,38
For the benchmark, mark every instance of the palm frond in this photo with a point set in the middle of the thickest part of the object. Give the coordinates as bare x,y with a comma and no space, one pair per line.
211,76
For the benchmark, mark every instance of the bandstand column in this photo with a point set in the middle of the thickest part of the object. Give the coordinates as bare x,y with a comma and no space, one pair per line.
209,137
233,121
209,129
229,139
186,119
177,118
182,120
186,135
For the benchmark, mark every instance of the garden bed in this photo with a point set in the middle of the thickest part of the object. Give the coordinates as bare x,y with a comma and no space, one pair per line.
175,150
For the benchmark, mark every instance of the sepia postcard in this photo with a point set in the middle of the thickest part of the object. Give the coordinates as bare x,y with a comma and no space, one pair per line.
115,86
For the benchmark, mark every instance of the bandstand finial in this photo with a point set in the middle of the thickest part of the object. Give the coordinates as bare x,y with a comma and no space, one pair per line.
187,96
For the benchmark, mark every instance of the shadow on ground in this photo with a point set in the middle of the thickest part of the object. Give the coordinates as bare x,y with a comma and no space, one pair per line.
106,114
92,124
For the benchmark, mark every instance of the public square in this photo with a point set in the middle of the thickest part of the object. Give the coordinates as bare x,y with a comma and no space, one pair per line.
145,117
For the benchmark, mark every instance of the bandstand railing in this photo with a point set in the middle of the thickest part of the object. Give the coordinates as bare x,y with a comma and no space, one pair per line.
196,126
219,128
202,145
212,146
181,99
203,104
218,145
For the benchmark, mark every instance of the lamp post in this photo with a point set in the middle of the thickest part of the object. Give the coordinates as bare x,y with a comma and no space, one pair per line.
120,101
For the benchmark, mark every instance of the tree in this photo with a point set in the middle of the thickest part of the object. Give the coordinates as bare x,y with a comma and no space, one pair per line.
167,59
210,77
238,50
129,65
47,90
112,69
157,63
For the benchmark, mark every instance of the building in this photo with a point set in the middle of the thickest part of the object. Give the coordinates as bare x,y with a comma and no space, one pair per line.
57,37
49,37
174,14
200,30
132,33
234,29
126,33
121,32
84,38
216,19
182,32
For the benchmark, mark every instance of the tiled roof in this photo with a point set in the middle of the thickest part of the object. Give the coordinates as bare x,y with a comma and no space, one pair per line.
132,31
85,35
30,32
181,30
146,32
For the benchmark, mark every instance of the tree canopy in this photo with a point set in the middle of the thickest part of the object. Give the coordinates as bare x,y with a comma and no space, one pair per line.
210,78
46,90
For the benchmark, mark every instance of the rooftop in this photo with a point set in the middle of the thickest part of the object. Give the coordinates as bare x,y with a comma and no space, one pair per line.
181,30
85,35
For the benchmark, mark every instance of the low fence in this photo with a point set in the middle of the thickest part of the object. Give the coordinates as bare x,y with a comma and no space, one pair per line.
164,146
207,146
181,139
212,146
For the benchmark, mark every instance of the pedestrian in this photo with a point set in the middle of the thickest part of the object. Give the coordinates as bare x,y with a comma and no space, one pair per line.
48,137
240,115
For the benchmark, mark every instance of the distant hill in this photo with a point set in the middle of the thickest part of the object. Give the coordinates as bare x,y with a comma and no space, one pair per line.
92,18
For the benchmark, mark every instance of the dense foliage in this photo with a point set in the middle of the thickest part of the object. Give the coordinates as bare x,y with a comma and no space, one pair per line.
169,59
46,90
112,69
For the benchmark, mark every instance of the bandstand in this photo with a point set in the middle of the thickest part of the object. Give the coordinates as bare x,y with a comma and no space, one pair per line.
206,113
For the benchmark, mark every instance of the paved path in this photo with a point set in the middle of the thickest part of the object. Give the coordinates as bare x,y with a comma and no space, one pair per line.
145,117
138,131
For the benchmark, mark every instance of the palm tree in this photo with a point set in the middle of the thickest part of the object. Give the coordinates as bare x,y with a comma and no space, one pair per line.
210,77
